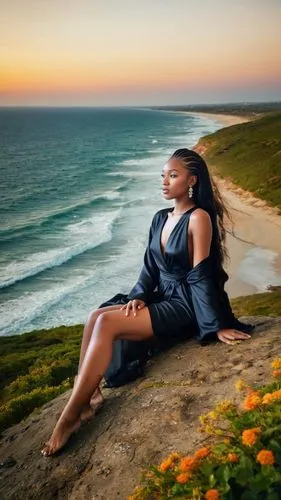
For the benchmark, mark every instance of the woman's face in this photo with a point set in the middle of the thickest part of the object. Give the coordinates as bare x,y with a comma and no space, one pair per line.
175,180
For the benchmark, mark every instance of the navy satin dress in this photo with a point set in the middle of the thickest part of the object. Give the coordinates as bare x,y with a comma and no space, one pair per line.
183,301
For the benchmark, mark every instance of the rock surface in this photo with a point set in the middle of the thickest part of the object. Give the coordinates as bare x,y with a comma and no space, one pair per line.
139,424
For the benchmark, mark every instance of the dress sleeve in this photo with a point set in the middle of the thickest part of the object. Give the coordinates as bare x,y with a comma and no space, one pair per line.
148,278
206,301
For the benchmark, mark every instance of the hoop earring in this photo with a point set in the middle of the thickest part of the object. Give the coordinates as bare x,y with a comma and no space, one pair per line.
190,192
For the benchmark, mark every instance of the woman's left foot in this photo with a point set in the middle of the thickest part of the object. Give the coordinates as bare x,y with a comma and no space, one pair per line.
60,436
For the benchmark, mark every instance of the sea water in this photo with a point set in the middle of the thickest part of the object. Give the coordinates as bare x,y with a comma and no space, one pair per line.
79,187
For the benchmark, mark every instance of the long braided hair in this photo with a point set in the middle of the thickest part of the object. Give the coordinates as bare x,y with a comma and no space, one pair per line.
207,196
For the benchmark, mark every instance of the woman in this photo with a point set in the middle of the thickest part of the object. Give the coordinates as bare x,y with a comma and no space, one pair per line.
179,294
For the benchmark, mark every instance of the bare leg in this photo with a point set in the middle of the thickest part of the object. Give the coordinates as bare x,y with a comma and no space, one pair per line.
108,327
97,398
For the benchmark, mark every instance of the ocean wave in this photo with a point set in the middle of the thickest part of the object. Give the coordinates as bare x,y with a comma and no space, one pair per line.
257,269
77,237
144,162
44,219
34,304
133,173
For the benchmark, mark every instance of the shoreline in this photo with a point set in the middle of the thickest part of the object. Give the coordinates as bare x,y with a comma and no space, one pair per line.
256,225
226,120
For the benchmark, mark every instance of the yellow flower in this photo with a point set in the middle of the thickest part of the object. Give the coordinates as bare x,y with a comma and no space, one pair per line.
202,453
240,385
187,464
250,436
271,396
224,406
252,400
213,415
183,478
233,458
212,495
203,419
276,373
265,457
209,429
196,493
276,364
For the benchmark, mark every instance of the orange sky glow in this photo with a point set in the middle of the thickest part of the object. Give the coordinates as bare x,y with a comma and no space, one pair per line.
130,52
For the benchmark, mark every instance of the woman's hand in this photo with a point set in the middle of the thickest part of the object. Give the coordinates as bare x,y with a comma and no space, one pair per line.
230,336
133,305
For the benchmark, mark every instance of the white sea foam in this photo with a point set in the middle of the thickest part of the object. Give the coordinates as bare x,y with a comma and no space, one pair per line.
144,162
133,173
76,239
257,269
41,216
32,305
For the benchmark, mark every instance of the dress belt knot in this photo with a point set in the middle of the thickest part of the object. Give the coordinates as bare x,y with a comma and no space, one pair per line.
174,277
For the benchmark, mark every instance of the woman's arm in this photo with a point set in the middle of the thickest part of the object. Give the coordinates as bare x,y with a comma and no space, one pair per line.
204,293
148,278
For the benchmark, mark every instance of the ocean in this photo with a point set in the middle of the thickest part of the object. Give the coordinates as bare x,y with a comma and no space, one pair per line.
79,187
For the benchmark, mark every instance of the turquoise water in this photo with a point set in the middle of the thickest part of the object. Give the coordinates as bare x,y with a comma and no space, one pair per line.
79,188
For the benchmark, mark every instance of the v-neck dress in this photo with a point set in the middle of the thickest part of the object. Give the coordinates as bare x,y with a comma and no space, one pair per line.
183,301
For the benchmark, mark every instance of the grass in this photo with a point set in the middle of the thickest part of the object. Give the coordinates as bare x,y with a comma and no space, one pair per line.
36,367
249,154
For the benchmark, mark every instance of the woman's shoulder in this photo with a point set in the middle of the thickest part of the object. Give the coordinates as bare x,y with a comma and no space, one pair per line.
200,220
199,214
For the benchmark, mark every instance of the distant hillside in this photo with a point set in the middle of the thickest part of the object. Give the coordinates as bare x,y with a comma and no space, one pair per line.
250,109
249,154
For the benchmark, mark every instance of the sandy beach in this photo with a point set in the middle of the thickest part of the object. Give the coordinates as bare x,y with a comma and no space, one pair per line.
255,249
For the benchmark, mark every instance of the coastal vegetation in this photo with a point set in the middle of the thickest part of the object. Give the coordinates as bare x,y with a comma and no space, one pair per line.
36,367
249,154
243,456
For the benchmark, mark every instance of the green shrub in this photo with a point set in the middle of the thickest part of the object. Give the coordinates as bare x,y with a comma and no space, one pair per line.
245,463
17,408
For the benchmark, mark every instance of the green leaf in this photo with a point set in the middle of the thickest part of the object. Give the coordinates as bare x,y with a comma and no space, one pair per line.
274,446
248,495
212,480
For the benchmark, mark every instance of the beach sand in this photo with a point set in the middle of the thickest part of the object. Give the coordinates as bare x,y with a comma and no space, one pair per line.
255,250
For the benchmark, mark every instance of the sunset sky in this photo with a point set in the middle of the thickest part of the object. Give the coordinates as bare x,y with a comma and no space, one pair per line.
139,52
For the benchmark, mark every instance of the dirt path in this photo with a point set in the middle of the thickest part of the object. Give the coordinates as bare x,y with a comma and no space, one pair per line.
140,424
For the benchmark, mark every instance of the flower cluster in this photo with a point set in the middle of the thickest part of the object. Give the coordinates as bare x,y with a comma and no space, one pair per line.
245,461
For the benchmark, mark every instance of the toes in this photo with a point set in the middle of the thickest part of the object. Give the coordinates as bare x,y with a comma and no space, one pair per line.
46,450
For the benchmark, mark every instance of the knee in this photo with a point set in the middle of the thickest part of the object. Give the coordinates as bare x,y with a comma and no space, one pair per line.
92,318
105,325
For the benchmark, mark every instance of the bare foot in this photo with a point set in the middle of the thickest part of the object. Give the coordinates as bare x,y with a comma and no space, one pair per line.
95,405
61,433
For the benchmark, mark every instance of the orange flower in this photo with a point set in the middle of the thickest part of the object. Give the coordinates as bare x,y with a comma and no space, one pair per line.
212,495
183,478
271,396
276,373
233,458
252,400
165,465
174,456
187,464
276,363
201,453
265,457
249,436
